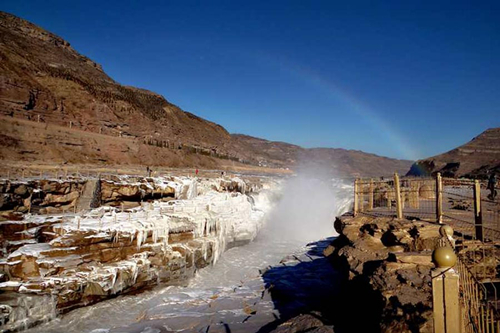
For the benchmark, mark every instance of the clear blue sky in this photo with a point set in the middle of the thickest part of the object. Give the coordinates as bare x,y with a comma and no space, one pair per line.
405,79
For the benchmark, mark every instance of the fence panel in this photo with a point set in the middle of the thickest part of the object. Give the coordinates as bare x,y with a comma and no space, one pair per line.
376,197
418,197
490,207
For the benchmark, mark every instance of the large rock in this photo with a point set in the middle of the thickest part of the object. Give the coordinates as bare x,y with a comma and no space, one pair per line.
386,263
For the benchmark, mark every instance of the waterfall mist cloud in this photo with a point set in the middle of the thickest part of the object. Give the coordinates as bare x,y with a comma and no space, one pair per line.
308,206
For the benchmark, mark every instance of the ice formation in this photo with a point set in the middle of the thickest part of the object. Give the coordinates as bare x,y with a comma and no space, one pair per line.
71,260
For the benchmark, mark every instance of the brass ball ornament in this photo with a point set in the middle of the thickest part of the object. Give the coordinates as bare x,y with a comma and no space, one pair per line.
444,257
446,230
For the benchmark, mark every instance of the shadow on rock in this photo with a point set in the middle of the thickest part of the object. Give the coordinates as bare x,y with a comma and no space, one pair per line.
313,296
303,284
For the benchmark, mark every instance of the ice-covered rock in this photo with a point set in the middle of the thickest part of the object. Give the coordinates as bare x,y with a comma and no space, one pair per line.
81,258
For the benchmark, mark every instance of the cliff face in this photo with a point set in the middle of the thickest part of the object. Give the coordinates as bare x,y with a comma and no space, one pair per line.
474,159
41,74
51,264
386,266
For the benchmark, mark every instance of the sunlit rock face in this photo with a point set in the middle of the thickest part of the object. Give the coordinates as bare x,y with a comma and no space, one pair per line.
386,262
72,260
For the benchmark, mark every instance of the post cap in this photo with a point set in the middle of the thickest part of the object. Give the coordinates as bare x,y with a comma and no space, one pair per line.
444,257
446,230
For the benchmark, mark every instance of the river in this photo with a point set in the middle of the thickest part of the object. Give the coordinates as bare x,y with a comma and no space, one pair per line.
230,296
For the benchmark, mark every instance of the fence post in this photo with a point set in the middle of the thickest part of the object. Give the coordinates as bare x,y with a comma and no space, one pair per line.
370,197
356,197
399,207
361,196
445,292
439,198
478,214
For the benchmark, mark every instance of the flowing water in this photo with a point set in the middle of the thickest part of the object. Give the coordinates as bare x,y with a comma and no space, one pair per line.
229,296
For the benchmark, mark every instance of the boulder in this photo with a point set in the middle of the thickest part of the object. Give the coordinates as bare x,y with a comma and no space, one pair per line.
387,263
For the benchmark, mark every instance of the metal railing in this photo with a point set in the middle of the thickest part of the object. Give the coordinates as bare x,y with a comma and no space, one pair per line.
463,203
478,312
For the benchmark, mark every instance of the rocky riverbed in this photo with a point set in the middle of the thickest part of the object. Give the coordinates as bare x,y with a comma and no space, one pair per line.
260,286
54,263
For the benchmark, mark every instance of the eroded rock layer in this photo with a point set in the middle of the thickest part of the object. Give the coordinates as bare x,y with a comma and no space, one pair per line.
54,263
386,265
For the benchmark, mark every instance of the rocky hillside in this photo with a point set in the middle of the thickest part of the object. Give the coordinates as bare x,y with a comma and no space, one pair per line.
337,161
59,107
474,159
41,74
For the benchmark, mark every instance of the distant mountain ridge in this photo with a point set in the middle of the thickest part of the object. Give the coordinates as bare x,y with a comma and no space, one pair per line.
476,159
338,161
58,106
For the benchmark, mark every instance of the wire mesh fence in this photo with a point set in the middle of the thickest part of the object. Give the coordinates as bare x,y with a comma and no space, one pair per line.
471,207
418,198
478,295
376,197
490,211
478,315
434,200
379,197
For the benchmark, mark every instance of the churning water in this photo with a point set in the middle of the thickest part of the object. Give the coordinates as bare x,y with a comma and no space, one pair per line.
229,296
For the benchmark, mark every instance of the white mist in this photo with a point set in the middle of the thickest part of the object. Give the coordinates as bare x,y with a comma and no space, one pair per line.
308,207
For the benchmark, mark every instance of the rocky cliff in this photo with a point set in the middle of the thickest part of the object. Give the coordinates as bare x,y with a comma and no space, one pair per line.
475,159
386,264
53,263
43,75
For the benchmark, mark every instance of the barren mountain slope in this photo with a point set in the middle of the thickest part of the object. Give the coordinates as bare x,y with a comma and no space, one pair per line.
336,161
473,159
41,74
59,107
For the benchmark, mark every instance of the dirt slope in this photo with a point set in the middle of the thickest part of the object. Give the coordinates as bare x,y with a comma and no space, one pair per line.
59,107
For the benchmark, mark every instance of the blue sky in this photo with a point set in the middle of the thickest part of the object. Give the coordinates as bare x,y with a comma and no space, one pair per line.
404,79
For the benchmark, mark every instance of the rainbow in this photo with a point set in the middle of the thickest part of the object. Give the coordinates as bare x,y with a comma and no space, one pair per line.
334,90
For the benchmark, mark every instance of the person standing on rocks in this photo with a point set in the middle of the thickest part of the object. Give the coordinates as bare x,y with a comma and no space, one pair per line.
492,181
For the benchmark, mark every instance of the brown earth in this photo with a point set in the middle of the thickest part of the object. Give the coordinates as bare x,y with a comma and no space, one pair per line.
58,107
340,162
474,159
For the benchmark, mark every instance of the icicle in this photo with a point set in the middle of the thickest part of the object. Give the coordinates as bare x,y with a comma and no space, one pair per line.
139,238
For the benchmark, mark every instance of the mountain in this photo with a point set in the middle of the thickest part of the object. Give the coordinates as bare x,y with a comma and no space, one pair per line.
59,107
43,75
474,159
336,161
